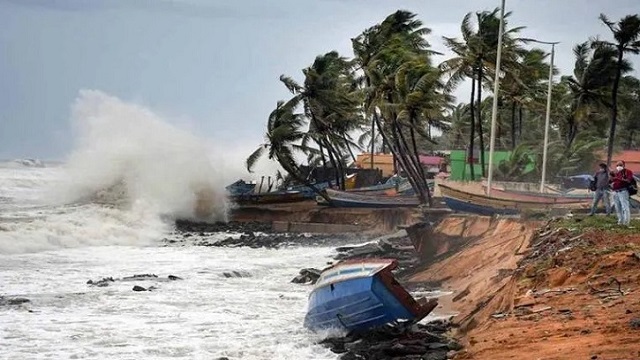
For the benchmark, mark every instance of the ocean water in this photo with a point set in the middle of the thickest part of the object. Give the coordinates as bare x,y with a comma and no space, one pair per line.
103,212
49,252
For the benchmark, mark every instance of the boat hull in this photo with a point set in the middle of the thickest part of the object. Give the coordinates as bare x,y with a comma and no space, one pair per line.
462,201
540,198
268,198
353,200
354,304
469,207
359,295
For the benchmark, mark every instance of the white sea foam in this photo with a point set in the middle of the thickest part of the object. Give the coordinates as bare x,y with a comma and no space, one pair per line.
204,316
153,161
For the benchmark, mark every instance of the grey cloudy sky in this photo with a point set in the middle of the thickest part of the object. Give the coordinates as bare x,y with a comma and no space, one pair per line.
212,66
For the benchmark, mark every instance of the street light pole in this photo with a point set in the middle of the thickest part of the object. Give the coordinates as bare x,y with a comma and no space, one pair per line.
496,88
548,115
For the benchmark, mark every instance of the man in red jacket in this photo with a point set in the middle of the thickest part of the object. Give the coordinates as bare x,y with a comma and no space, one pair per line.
620,181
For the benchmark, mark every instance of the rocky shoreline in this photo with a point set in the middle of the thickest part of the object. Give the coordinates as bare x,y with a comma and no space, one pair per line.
424,342
250,234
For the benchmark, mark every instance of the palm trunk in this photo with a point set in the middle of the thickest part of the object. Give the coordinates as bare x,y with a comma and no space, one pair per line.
480,132
614,107
472,132
513,125
346,143
424,178
520,123
373,140
411,166
294,171
337,175
324,160
396,154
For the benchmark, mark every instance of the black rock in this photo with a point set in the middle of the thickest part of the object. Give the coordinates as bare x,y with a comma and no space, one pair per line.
13,301
309,275
635,323
173,277
139,288
400,342
102,282
236,274
140,277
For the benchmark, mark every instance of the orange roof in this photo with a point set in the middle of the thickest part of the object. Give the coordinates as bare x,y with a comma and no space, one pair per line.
627,156
631,159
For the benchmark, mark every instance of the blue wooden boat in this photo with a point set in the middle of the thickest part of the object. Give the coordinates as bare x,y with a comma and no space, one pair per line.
356,295
240,187
274,197
307,192
358,200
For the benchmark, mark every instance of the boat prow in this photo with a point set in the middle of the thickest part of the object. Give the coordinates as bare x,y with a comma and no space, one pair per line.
361,294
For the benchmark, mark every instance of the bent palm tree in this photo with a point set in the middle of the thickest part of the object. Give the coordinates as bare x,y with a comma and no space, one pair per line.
284,142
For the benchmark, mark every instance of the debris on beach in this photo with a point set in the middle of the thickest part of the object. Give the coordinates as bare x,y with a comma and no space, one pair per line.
428,341
397,247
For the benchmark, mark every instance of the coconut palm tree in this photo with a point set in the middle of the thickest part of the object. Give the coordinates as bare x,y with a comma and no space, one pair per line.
593,74
391,54
523,86
284,142
332,105
626,33
630,109
475,59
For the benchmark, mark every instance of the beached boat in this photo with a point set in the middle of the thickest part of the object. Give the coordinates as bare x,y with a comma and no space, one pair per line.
358,200
240,187
307,192
357,295
540,197
380,187
462,201
275,197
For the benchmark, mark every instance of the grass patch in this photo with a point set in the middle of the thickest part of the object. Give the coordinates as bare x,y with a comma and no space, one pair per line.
614,249
607,223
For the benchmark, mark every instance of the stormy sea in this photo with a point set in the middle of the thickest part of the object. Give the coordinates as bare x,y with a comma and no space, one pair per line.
107,212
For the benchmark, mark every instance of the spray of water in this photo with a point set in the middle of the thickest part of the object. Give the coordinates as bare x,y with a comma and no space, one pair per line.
125,153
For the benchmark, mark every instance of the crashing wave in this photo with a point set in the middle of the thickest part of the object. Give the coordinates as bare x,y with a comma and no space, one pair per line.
127,156
29,162
207,204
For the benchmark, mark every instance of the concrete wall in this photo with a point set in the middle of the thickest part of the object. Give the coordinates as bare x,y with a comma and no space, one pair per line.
322,228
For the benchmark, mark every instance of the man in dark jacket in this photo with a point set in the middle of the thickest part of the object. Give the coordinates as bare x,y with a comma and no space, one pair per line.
620,181
601,191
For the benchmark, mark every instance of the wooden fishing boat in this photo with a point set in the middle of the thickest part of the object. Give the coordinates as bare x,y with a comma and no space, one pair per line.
540,197
458,200
357,200
275,197
356,295
307,192
240,187
373,188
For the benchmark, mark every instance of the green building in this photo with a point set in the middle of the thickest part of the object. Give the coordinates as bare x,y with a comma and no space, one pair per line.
461,170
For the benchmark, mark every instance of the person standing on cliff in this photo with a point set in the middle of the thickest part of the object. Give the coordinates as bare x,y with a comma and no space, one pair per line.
621,179
601,189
